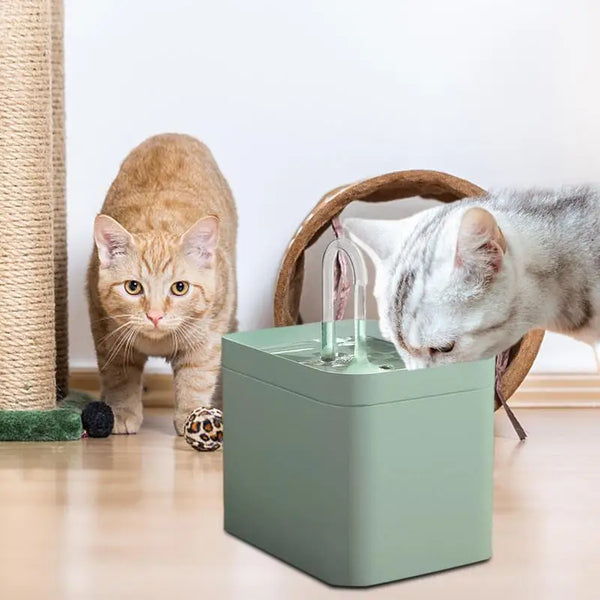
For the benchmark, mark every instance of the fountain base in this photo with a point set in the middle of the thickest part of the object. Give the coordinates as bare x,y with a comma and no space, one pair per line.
358,477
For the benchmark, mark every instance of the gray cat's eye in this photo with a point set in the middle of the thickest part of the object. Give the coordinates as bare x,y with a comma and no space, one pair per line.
444,349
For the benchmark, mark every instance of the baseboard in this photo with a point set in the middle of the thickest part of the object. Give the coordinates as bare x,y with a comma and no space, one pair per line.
158,387
559,390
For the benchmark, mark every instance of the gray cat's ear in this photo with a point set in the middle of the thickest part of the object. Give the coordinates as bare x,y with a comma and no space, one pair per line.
480,245
200,241
378,238
112,239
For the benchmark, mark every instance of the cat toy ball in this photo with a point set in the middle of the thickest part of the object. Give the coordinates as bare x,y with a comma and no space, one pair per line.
203,429
97,419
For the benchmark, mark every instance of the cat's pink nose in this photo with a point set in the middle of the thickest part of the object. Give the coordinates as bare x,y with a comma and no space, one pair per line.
155,316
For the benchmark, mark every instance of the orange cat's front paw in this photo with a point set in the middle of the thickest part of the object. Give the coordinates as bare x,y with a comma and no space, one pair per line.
127,422
179,421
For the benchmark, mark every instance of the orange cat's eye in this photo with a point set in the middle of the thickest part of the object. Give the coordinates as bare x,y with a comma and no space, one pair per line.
180,288
133,287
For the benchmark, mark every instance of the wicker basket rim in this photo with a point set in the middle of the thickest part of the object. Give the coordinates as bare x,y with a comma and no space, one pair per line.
389,186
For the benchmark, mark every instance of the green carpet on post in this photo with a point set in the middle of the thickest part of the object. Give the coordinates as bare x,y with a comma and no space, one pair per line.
56,425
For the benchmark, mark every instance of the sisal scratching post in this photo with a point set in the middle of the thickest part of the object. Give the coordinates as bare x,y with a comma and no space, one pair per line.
26,260
28,367
59,200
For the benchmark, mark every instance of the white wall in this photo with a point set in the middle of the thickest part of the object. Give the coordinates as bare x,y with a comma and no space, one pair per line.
295,98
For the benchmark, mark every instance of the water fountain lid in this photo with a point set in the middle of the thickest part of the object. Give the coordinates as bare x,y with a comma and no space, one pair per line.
391,186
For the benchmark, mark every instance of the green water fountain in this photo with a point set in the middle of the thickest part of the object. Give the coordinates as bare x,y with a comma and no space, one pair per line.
343,463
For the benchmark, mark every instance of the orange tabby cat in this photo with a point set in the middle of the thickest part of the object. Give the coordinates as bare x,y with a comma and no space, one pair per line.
162,279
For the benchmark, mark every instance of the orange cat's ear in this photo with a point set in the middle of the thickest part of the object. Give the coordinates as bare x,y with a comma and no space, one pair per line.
112,239
200,241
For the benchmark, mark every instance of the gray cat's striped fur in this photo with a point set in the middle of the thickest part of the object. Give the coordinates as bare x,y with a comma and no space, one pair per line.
467,280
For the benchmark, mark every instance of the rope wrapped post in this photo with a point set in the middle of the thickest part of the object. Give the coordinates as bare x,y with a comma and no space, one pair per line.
32,224
59,201
27,359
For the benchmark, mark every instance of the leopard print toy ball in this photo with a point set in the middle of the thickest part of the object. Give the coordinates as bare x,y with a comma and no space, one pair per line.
203,429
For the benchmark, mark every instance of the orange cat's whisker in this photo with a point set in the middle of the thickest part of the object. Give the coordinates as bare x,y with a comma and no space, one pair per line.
117,346
113,332
110,317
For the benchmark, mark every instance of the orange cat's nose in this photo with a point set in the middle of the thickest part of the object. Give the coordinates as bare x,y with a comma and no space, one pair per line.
155,316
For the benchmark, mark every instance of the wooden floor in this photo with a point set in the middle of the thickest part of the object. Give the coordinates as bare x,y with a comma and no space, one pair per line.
140,517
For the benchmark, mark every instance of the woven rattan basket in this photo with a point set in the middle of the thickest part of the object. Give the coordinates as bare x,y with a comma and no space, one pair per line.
391,186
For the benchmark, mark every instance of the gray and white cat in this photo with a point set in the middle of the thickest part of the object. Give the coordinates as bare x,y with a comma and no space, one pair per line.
467,280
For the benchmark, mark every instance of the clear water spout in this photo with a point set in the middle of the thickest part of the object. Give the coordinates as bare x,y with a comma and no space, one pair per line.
359,276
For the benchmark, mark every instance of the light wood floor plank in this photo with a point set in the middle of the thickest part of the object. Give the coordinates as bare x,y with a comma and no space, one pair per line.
140,517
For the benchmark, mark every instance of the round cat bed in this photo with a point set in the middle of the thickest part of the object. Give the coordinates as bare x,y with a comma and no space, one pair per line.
391,186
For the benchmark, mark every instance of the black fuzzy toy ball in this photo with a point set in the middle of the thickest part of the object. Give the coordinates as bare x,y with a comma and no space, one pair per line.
97,419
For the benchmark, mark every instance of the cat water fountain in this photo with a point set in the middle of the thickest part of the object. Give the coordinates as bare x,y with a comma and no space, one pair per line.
343,463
